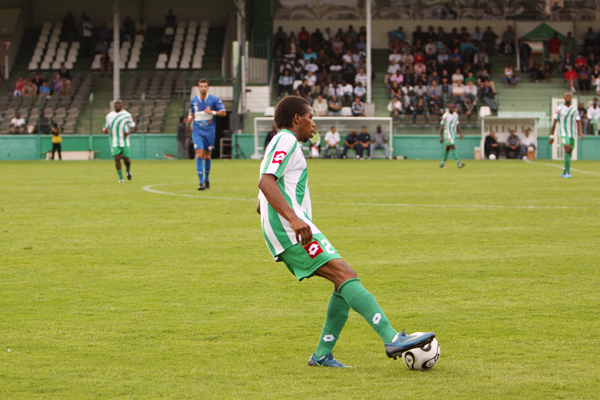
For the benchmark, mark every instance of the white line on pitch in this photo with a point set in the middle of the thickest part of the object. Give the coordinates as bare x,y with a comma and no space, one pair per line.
474,206
558,166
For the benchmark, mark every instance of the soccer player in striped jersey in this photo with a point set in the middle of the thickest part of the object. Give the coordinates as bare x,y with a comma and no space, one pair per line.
567,117
448,128
291,236
119,125
202,110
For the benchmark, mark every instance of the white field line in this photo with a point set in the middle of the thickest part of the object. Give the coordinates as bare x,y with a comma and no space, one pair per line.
148,188
559,166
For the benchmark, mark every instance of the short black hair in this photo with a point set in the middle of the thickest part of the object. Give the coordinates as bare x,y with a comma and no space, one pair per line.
203,80
286,110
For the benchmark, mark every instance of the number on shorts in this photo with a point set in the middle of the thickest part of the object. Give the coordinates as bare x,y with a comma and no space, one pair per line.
327,246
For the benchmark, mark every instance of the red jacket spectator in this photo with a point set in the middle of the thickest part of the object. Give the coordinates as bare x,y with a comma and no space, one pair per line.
571,75
580,61
554,45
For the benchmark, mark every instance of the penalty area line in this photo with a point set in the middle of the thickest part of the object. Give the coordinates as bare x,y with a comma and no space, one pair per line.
148,188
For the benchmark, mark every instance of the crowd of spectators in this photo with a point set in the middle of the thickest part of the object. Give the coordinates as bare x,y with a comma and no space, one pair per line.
429,69
30,89
330,65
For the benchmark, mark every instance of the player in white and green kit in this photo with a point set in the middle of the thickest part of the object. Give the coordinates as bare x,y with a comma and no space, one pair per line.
567,117
119,125
448,128
292,237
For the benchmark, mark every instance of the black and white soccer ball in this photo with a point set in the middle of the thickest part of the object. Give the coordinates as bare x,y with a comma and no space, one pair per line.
422,358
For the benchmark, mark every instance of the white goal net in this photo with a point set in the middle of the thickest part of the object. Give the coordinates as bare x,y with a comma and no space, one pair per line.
344,125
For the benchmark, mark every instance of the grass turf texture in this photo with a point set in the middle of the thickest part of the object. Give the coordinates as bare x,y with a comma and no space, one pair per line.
110,291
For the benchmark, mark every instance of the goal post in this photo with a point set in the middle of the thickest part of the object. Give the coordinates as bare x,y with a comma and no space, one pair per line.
344,125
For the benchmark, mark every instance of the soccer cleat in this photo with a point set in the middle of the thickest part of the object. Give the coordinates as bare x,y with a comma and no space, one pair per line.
326,361
568,175
201,186
207,185
564,175
403,342
129,176
442,165
121,181
460,165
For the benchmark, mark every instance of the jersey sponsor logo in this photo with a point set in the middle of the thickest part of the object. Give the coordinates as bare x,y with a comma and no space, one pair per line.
376,319
313,249
278,157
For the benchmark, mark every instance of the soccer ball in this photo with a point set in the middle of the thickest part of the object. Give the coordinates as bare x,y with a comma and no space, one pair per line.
492,157
422,358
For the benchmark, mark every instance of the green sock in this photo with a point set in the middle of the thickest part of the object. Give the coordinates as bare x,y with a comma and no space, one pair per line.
128,167
363,302
567,162
445,157
335,319
120,173
455,156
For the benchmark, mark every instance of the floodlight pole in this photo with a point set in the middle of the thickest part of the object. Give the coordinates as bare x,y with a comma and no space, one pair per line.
116,52
368,40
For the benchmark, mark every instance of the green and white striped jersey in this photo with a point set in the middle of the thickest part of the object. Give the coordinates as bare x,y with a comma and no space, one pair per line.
450,122
284,159
567,120
118,123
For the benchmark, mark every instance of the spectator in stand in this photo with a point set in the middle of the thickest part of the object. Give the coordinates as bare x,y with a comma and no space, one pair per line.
455,58
395,91
101,47
17,125
380,141
311,79
86,34
584,80
526,143
304,38
535,73
589,41
351,142
446,89
525,55
270,135
459,92
395,56
489,40
164,47
392,69
43,124
309,56
443,59
30,91
580,61
469,109
434,90
513,146
570,78
435,107
509,76
304,91
69,27
457,77
45,90
591,60
37,81
105,64
477,35
280,39
358,108
471,91
488,95
397,34
554,50
361,77
593,115
364,142
182,130
286,84
360,91
397,107
570,44
332,142
419,108
141,27
311,67
57,84
320,106
481,61
67,90
170,19
420,92
485,77
64,72
507,45
334,106
568,62
397,79
19,85
104,33
491,145
128,29
547,73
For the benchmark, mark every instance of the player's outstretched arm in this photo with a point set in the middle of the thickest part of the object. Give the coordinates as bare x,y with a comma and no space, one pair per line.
269,187
551,139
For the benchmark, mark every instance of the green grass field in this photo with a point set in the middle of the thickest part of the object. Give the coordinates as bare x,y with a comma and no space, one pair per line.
111,291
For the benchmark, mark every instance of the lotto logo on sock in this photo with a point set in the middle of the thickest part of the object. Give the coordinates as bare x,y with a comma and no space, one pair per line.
328,338
313,249
278,157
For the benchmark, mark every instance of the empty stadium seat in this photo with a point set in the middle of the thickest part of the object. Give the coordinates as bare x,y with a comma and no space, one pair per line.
169,31
33,65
